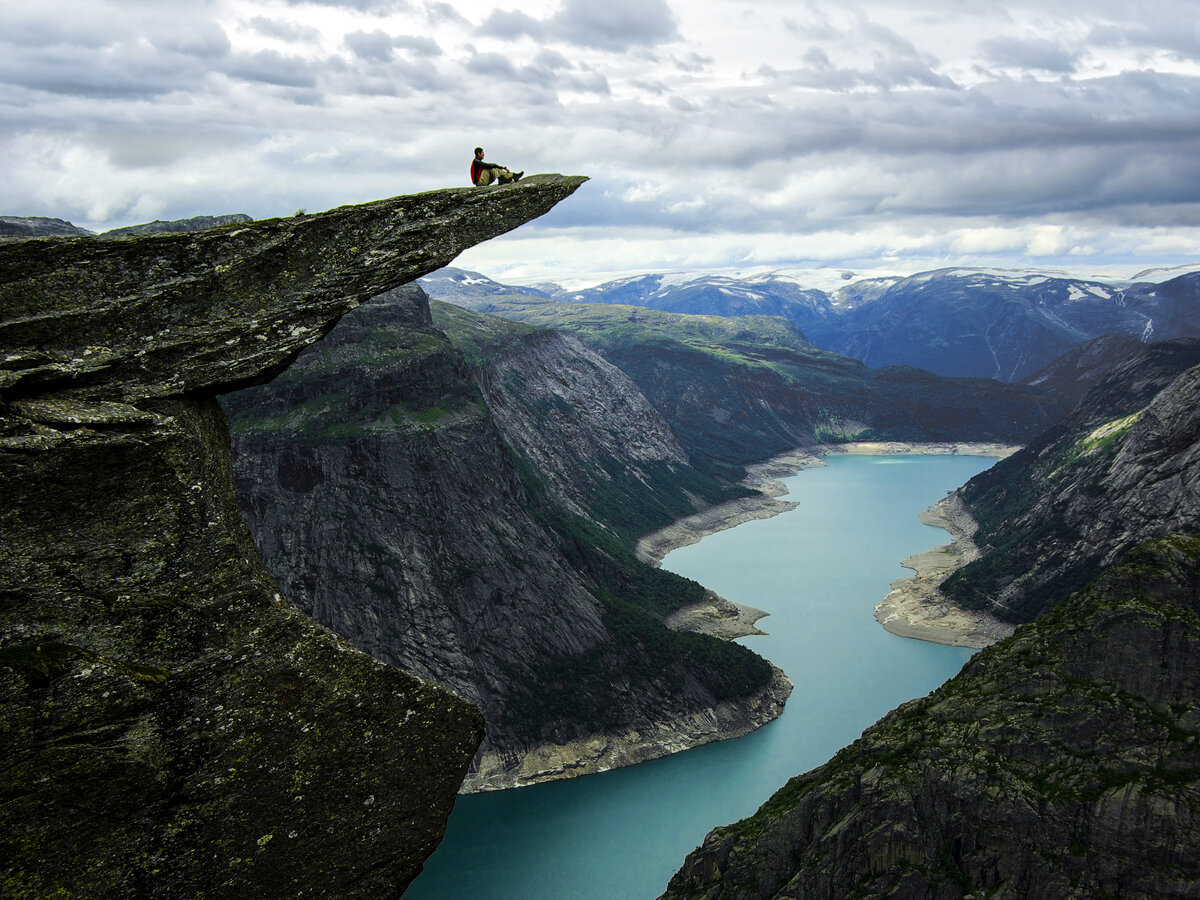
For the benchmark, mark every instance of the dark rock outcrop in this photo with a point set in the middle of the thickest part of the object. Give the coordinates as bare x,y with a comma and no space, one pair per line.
170,724
1122,469
1061,764
20,228
456,555
230,306
178,226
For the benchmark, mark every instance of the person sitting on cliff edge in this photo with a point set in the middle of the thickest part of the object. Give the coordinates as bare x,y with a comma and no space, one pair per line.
483,173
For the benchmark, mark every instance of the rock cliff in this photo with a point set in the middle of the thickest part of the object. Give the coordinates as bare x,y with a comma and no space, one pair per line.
1122,469
1062,763
602,448
171,725
429,521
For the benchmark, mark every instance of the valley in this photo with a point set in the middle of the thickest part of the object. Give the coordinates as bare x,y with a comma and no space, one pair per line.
266,501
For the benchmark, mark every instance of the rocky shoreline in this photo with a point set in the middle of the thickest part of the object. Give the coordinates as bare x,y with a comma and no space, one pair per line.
718,617
916,608
600,753
913,609
765,478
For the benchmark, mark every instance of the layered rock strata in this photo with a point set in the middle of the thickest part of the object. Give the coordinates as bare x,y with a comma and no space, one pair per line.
171,725
1061,764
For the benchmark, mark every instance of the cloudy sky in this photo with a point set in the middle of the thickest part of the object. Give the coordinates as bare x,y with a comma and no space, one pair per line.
894,135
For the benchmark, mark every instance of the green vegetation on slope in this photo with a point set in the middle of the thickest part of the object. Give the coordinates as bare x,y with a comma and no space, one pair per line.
477,337
766,342
1118,472
588,689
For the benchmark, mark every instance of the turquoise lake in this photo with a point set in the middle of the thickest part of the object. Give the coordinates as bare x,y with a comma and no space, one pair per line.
818,570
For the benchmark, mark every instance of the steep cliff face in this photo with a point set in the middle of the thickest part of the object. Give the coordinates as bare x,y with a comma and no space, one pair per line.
171,725
602,448
737,390
1061,763
1121,470
388,503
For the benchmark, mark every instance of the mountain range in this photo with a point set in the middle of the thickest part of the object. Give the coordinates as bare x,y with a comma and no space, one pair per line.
739,389
986,323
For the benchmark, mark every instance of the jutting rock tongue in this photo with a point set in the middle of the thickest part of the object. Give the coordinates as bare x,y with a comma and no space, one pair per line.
166,314
170,724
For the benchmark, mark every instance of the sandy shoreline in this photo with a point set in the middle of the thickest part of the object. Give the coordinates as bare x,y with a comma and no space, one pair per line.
914,608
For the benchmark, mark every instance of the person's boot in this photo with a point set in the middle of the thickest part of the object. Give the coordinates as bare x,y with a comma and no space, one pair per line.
517,175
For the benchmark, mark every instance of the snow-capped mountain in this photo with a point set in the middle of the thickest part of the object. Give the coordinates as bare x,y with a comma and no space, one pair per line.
996,323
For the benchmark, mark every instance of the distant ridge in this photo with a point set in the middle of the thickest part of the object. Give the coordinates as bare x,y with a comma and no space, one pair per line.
1004,324
179,226
24,227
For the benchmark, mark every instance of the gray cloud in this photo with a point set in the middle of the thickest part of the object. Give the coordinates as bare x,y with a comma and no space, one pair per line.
272,67
284,31
511,24
615,25
90,52
443,13
829,123
551,59
550,78
417,45
369,45
693,62
1167,25
378,46
205,40
492,65
379,7
140,148
22,27
1028,53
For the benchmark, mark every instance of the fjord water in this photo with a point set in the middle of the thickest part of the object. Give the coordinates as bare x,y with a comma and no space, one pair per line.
818,570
